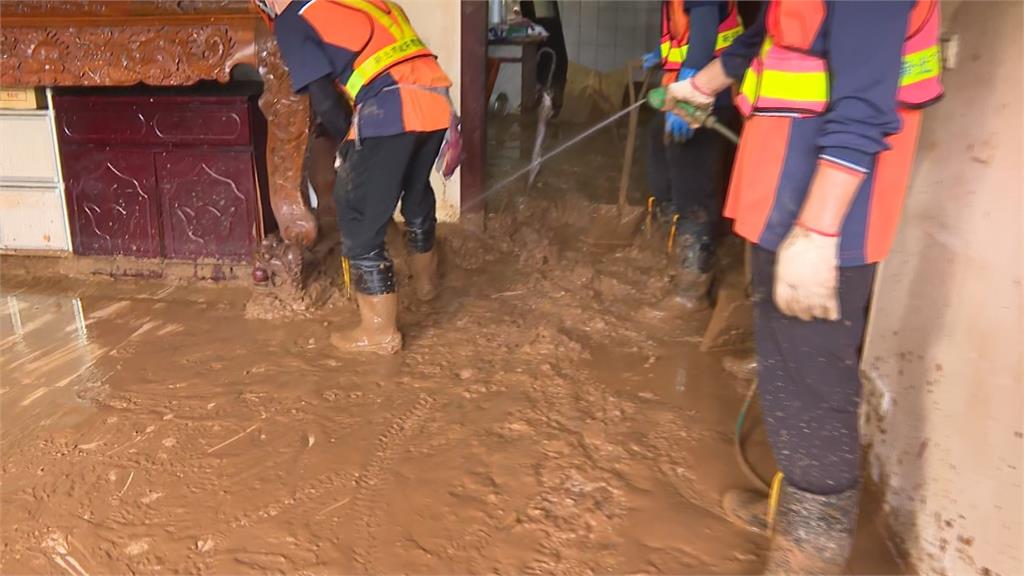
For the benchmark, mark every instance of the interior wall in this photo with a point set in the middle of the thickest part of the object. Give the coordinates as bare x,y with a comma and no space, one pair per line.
943,354
604,34
439,23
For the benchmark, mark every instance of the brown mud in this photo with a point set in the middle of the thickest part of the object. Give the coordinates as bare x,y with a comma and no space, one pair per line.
532,424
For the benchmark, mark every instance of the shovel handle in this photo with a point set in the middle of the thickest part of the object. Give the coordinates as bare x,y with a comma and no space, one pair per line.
627,163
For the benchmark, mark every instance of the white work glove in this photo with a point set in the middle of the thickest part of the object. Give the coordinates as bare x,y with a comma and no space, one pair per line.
685,91
807,275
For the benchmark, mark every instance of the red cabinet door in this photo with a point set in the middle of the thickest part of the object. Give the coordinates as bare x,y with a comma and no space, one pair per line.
209,204
113,197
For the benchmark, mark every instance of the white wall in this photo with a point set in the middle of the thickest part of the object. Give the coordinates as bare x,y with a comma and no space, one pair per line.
439,23
605,34
943,354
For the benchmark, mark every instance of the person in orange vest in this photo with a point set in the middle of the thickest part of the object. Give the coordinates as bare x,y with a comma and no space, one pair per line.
833,93
683,164
372,81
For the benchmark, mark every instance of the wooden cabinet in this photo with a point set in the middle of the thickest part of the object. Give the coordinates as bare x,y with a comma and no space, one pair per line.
173,176
208,203
112,197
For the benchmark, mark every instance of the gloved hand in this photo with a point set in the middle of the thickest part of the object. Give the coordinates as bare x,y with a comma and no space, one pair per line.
683,90
807,275
676,128
652,59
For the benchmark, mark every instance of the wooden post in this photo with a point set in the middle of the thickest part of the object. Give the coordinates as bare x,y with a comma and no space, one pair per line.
474,110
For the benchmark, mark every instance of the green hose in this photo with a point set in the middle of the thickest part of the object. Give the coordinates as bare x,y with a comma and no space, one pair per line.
656,100
738,441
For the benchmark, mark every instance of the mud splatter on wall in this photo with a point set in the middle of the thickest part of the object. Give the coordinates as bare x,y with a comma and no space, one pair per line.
943,356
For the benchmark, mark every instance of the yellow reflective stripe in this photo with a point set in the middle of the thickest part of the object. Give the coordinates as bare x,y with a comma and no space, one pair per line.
722,41
921,65
675,55
379,61
748,86
727,37
398,25
797,86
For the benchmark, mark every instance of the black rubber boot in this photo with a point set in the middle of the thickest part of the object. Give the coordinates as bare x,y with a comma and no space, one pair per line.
662,212
813,534
420,234
696,252
373,274
693,247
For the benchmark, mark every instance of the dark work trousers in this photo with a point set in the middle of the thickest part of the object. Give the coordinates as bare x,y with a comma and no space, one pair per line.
809,381
689,174
374,177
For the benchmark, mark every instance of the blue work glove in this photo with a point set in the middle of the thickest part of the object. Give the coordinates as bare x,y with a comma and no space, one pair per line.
676,127
652,59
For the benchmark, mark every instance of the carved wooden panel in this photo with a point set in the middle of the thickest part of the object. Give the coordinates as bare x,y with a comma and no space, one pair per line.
112,195
123,8
287,130
116,55
209,204
83,120
145,120
206,123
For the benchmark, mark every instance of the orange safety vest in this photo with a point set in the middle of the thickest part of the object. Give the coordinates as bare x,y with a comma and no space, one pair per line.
784,79
673,51
392,41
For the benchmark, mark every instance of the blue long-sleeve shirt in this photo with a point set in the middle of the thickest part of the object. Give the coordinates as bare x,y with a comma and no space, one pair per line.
705,17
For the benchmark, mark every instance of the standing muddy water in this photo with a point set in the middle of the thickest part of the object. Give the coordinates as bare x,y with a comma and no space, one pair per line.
533,424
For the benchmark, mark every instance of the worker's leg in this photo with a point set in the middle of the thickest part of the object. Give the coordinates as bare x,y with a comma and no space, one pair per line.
419,209
810,395
366,193
657,167
695,167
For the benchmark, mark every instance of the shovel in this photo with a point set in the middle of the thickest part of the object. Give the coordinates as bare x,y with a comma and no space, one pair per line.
617,223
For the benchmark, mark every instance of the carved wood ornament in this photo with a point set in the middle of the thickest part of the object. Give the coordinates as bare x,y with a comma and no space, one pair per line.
165,43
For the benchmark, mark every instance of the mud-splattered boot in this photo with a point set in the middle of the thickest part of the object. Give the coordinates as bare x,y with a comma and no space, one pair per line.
373,278
813,534
743,367
660,213
747,510
695,249
377,331
424,275
419,240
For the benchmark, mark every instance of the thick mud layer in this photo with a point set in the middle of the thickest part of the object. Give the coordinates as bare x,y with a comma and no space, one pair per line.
533,424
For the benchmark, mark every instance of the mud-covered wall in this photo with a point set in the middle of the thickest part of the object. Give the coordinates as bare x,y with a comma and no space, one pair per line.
439,23
943,353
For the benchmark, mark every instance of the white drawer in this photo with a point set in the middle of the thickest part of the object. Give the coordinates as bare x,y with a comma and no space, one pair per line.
28,153
32,219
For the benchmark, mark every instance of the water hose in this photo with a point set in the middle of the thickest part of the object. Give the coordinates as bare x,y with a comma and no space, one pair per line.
737,443
703,116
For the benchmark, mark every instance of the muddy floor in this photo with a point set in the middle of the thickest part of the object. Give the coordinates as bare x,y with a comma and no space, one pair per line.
534,423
